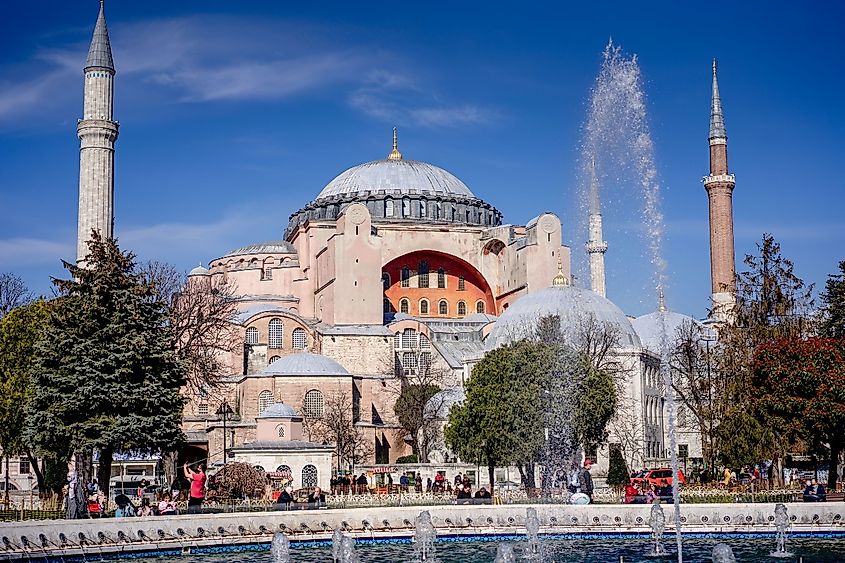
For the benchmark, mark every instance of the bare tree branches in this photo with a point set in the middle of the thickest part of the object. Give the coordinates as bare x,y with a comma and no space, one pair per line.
13,293
335,425
203,312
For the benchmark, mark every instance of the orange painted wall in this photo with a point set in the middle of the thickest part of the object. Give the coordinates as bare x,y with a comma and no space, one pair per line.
475,287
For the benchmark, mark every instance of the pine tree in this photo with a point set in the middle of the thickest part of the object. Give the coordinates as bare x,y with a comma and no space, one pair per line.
833,320
617,471
107,377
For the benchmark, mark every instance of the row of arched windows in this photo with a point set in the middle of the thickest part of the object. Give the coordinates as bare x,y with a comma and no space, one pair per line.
309,473
275,336
442,307
423,278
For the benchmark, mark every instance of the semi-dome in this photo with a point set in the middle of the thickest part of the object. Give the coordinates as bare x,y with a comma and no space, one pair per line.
269,247
571,304
442,402
650,328
304,363
279,410
396,177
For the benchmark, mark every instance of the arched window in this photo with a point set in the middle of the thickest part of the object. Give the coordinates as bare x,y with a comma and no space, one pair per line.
425,343
385,281
479,306
422,274
438,210
274,358
285,471
461,284
404,306
388,208
443,307
409,338
405,277
252,335
397,341
299,339
274,334
265,399
462,309
406,207
312,406
441,278
388,306
423,306
309,476
409,362
281,430
422,209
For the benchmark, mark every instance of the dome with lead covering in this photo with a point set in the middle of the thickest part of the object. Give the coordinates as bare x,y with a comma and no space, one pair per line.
279,410
572,304
396,177
442,402
650,328
304,363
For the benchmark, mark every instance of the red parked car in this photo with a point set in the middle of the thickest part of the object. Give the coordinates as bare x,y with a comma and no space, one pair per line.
660,476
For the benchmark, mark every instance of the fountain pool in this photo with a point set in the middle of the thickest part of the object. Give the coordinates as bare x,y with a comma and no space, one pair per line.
818,548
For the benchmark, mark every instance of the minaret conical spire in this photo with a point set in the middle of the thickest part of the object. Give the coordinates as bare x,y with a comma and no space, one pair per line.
717,120
99,53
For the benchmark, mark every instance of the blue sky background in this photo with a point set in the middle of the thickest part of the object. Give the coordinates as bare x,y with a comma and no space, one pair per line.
235,114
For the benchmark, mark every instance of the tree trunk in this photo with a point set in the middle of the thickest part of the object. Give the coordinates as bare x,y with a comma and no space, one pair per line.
39,474
491,472
169,461
833,464
6,477
104,470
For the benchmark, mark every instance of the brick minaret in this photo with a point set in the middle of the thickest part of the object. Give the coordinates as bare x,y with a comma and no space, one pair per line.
719,185
97,134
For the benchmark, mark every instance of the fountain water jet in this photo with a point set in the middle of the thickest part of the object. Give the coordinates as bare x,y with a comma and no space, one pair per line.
424,537
337,544
722,553
532,530
280,548
617,138
347,550
505,554
657,523
782,524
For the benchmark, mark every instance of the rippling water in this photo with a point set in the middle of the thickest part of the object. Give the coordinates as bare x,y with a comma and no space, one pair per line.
812,550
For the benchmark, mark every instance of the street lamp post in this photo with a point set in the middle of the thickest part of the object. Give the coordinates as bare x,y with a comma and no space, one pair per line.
224,411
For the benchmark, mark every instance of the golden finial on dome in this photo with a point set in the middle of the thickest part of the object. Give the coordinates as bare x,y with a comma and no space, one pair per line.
560,280
395,154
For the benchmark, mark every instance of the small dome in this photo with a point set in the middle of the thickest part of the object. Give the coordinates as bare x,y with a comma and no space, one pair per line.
269,247
304,363
649,328
396,177
442,402
198,271
571,304
279,410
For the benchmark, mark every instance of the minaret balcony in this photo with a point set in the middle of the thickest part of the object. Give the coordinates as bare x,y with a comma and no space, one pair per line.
719,179
596,246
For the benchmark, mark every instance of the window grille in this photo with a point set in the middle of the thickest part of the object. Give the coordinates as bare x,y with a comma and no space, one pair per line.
274,335
441,278
425,343
423,306
405,277
461,284
462,309
397,341
385,281
388,208
281,430
309,476
252,335
406,208
443,307
409,338
313,404
404,306
23,465
299,339
479,306
273,359
265,399
202,409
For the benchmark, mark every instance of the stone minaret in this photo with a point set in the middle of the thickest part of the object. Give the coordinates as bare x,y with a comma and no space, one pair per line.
719,185
596,247
97,134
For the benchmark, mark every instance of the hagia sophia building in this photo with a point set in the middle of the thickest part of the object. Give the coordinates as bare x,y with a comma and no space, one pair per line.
395,265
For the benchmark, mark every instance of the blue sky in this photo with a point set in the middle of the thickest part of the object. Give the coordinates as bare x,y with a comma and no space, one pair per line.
235,114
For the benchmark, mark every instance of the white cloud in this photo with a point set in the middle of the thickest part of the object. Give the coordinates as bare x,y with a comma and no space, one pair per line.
21,251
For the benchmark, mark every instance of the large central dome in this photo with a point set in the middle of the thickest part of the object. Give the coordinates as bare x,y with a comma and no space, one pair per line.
395,177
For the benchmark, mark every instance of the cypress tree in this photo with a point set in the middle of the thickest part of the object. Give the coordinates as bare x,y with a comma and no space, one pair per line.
107,377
